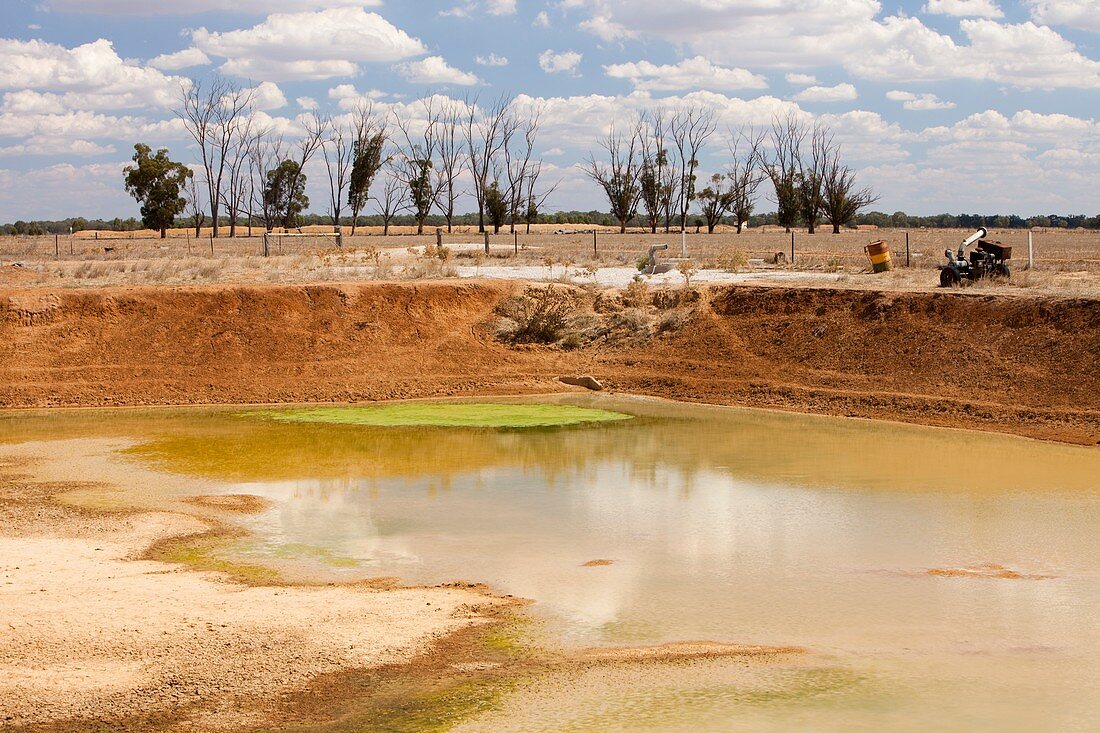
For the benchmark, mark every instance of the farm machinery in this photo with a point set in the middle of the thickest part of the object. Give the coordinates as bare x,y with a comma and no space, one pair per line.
987,259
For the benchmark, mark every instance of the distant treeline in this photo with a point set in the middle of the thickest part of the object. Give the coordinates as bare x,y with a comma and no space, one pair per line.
897,220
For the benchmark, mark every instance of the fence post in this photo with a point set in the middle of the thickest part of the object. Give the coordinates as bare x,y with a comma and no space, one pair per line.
595,252
70,245
907,249
792,249
56,247
267,248
515,244
1030,251
211,244
486,241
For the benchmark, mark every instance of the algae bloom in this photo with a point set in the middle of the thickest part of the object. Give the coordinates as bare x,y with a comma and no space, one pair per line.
446,414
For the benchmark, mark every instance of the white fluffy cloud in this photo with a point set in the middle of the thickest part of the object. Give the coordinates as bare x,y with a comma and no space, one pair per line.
491,60
1081,14
555,63
851,33
90,76
842,92
184,59
317,45
801,79
693,73
180,7
918,102
964,8
435,70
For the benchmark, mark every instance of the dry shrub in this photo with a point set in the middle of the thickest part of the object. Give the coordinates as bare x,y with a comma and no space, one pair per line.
636,294
734,260
540,315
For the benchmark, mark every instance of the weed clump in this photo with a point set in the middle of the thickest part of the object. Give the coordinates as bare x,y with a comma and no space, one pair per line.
539,315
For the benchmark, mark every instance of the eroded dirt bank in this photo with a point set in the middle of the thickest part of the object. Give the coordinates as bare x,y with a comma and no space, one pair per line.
1022,365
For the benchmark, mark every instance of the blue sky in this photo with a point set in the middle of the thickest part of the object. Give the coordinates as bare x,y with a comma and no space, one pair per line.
941,105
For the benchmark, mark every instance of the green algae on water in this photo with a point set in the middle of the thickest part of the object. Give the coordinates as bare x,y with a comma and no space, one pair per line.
442,414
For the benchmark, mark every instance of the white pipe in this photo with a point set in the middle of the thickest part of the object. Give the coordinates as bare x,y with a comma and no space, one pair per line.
1030,251
683,244
974,237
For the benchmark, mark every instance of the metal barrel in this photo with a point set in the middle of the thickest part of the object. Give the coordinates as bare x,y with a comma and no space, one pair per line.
879,253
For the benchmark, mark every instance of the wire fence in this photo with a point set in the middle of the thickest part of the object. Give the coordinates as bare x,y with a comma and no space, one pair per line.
1053,249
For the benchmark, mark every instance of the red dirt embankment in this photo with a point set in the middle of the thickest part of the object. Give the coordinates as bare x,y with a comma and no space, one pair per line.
1024,365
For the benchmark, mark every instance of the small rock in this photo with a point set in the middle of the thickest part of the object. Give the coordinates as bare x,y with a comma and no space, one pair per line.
583,381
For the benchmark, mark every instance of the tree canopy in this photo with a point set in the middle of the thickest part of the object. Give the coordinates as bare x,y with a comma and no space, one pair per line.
157,181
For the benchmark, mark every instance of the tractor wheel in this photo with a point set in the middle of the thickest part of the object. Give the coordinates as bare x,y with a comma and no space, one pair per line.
949,278
1002,271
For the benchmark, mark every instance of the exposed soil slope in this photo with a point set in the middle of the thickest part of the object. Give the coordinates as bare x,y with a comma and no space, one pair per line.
1028,366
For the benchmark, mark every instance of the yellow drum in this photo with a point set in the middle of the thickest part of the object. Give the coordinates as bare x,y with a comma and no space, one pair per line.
879,252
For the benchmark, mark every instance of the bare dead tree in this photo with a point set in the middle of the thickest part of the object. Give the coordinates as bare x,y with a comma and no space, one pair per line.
813,165
339,153
452,159
194,203
842,200
265,155
618,175
744,173
486,131
211,117
715,200
236,193
781,164
393,199
654,162
314,132
414,162
535,197
690,129
519,160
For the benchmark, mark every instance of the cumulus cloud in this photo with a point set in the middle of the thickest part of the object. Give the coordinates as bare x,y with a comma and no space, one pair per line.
184,59
918,102
181,7
491,60
90,76
801,79
542,20
556,63
964,8
1081,14
693,73
853,34
317,45
842,92
268,96
435,70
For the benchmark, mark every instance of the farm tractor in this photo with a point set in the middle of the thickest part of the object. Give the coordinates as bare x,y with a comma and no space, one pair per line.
987,259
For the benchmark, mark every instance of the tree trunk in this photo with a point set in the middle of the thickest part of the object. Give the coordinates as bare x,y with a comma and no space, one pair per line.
164,232
836,228
385,228
622,227
740,226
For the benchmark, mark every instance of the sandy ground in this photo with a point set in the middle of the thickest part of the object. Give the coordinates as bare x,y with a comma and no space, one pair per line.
93,632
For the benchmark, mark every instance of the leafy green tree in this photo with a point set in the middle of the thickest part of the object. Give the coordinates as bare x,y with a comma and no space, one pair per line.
495,205
156,181
285,192
367,162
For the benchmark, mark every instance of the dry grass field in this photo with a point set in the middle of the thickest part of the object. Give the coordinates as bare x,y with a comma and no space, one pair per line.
1066,262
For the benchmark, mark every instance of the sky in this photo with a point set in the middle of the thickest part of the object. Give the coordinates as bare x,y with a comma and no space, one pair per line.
976,106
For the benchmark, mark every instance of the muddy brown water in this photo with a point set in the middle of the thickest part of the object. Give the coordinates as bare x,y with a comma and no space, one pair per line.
938,578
